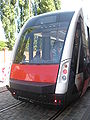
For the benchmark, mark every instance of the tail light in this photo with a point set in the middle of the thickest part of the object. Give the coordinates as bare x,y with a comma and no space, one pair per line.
57,102
13,93
63,77
64,72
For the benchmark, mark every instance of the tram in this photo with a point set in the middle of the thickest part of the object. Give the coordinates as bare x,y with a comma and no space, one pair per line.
49,63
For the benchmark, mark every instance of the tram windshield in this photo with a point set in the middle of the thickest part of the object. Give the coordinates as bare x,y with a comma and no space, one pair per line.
42,44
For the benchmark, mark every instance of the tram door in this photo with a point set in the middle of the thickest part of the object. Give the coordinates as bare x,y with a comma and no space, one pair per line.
77,62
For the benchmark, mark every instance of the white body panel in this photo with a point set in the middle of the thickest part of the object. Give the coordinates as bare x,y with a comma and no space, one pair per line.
62,86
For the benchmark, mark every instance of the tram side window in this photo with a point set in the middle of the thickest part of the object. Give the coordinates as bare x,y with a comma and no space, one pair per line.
77,55
85,44
82,38
75,51
81,60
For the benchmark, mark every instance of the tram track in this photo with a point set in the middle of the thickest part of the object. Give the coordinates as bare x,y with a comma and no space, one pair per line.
31,111
11,106
6,100
60,113
3,89
56,115
65,113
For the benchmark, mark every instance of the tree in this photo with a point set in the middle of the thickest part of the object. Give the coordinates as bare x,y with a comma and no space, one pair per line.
2,44
44,6
22,12
57,4
10,12
8,20
18,11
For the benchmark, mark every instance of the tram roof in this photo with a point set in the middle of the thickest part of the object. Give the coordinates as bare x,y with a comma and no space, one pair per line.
50,17
63,14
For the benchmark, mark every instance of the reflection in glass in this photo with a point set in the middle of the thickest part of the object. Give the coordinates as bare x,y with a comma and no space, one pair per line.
42,44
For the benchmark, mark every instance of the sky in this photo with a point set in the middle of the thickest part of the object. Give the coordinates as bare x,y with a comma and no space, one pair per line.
74,4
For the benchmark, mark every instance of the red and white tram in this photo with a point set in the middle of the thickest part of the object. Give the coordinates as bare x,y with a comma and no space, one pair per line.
49,63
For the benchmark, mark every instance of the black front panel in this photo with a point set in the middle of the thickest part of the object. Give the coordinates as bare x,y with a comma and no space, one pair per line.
33,87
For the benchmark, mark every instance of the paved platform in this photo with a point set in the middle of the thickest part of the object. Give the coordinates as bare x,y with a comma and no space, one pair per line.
80,110
5,57
3,84
4,74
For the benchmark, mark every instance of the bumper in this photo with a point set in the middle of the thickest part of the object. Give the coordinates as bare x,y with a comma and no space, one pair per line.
36,92
33,87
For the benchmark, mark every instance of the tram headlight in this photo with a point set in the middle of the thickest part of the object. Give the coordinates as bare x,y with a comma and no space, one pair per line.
63,77
64,71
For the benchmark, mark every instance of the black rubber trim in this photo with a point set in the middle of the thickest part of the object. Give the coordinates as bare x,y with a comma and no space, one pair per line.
33,87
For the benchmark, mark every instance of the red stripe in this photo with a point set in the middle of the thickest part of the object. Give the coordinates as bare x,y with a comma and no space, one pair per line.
35,73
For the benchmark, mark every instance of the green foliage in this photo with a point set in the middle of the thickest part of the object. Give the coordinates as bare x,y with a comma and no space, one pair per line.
2,45
24,14
47,5
57,4
20,10
13,2
9,23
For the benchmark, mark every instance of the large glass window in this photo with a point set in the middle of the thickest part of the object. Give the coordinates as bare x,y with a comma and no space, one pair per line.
42,44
